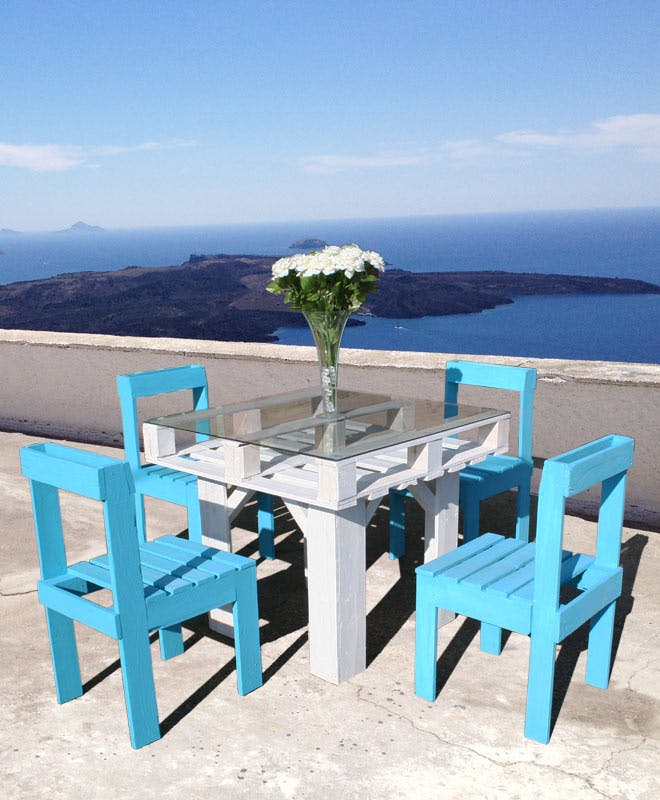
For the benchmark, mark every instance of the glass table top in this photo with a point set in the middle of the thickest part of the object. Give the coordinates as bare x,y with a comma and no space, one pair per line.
294,422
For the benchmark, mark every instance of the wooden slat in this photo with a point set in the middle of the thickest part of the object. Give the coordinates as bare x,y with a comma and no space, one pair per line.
231,560
100,575
372,485
201,563
377,463
79,608
152,577
461,554
590,602
170,563
92,572
572,565
480,560
519,557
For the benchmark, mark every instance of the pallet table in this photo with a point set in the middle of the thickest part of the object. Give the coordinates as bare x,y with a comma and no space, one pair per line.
332,473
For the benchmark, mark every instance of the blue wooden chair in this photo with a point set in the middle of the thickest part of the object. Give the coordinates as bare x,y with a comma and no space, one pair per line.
154,584
498,473
170,484
507,583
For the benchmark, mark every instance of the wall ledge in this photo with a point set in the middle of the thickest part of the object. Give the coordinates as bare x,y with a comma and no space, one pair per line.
548,370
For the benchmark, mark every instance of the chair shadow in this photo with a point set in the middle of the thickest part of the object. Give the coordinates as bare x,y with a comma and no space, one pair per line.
576,643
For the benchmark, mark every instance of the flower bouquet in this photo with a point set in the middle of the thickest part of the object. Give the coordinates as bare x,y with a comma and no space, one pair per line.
327,286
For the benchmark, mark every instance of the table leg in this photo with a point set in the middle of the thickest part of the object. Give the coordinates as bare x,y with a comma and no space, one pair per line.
336,566
441,519
216,532
439,499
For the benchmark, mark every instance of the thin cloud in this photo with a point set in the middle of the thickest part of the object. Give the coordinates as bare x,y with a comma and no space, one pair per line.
639,133
459,153
41,158
113,150
329,164
58,158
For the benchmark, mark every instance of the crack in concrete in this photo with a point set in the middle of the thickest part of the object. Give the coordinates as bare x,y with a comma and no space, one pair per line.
646,665
608,762
17,594
506,764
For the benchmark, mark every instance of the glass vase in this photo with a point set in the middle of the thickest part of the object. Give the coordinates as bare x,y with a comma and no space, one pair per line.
327,329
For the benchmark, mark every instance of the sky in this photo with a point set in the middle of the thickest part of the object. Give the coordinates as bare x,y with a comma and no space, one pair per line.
133,114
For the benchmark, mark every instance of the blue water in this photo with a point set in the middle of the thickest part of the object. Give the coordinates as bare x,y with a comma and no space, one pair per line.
620,243
542,327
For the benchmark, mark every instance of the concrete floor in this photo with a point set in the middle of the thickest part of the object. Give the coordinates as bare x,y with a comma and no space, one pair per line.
298,736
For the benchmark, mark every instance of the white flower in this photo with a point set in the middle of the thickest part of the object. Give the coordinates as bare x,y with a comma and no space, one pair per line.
348,258
281,268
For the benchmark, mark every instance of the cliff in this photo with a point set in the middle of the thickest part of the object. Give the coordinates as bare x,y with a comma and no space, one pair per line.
223,297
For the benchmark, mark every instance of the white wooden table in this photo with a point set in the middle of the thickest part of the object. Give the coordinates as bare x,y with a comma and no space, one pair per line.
332,473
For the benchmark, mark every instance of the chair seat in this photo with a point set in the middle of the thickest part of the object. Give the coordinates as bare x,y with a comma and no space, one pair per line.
491,578
173,569
491,476
164,483
492,465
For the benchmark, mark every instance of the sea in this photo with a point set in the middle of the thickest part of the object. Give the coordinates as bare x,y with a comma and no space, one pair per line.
621,243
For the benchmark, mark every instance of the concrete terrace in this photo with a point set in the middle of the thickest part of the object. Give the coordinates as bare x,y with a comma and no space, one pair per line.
297,736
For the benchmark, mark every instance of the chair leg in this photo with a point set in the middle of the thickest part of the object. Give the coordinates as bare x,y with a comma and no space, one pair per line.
171,642
539,689
65,656
139,691
426,644
470,509
397,499
491,638
246,632
266,525
599,652
523,502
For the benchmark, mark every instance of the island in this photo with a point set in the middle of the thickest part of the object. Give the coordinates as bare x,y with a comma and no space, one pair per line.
223,298
308,244
81,227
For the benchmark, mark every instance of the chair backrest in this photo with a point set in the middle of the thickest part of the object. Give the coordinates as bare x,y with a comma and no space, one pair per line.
51,467
604,461
498,376
147,384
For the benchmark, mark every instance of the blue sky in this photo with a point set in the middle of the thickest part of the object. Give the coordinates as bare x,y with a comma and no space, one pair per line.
129,114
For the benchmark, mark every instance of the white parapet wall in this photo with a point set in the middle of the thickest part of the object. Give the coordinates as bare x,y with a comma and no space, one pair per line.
63,385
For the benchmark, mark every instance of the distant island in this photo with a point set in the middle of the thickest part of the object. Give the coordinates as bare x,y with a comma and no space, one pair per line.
81,227
77,227
308,244
223,298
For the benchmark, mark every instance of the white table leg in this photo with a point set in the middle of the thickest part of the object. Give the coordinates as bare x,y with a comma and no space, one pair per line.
439,499
216,532
441,519
336,565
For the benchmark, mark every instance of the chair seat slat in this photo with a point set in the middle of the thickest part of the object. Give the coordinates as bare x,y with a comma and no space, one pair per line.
477,562
513,562
219,556
164,474
496,464
439,565
172,565
100,575
152,577
201,563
